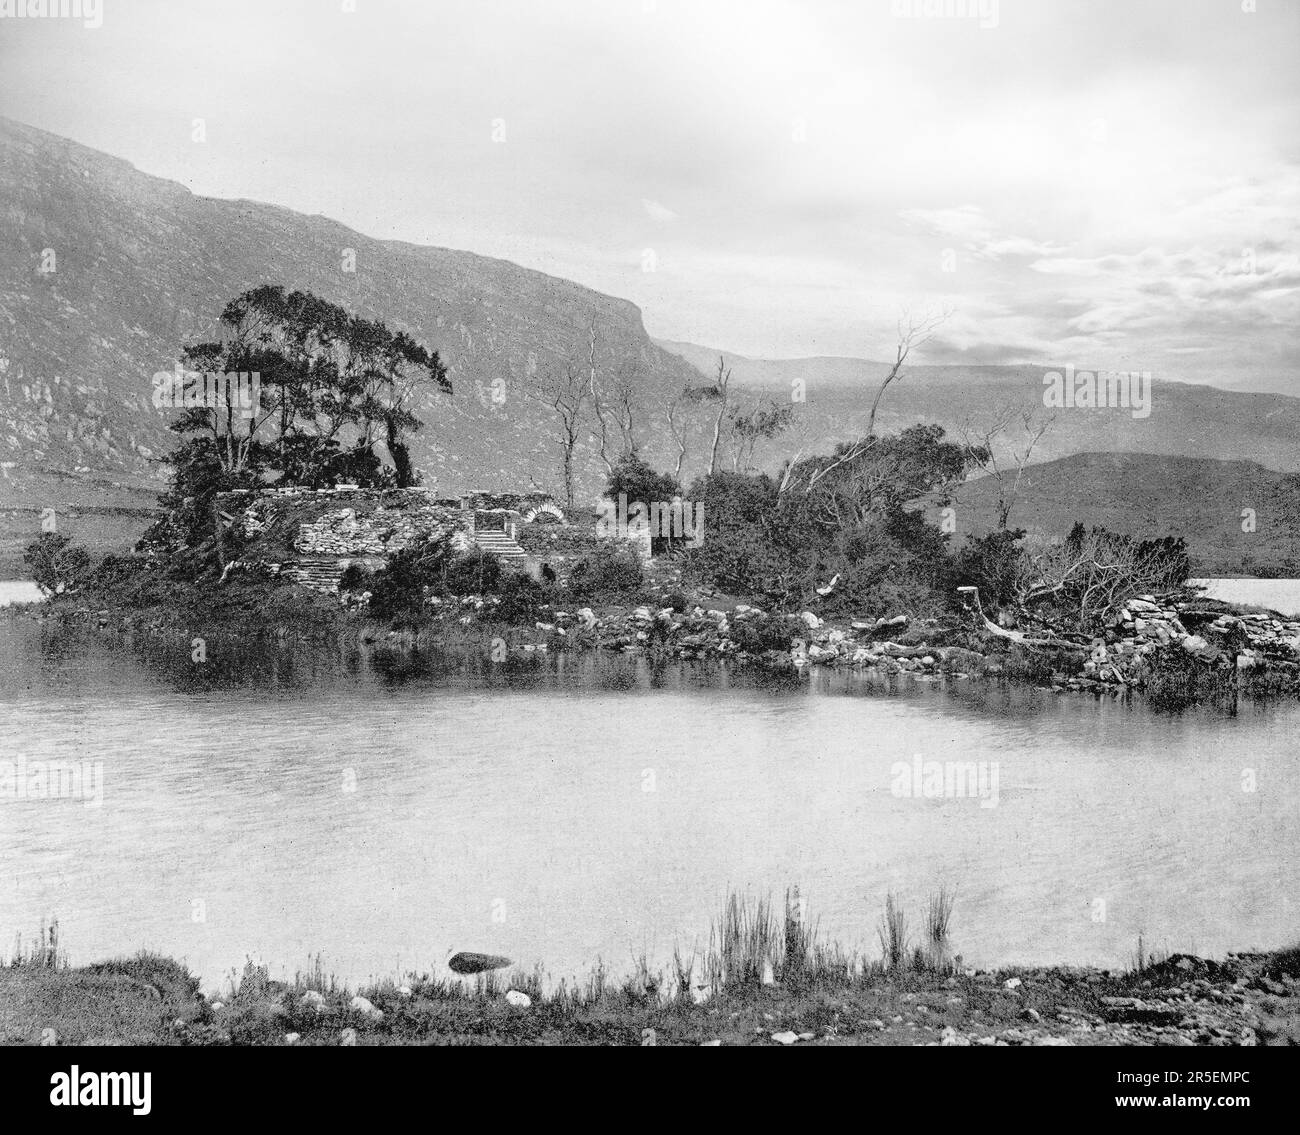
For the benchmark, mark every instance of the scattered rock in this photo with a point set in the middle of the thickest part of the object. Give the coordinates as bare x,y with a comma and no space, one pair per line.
518,1000
476,963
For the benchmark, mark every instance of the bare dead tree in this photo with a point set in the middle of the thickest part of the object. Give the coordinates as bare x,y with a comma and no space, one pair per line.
911,335
678,427
1094,575
720,385
564,392
624,402
982,444
593,389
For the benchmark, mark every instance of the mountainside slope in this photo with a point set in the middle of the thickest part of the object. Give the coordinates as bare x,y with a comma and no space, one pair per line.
1143,495
1186,420
141,266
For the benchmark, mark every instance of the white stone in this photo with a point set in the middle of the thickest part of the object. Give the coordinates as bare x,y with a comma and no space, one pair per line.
785,1037
518,1000
360,1004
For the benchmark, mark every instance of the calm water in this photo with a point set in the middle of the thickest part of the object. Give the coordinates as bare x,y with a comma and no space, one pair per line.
1281,595
19,591
383,813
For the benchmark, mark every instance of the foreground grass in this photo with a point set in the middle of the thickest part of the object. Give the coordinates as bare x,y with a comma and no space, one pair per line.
764,980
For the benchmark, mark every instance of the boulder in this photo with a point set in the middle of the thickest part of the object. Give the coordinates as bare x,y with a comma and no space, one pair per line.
476,963
365,1007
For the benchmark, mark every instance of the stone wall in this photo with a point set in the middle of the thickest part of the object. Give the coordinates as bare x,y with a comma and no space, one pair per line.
312,536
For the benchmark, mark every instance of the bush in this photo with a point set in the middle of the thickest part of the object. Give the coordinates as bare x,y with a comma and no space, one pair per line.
521,598
994,563
398,591
356,577
57,565
759,633
606,574
677,601
469,573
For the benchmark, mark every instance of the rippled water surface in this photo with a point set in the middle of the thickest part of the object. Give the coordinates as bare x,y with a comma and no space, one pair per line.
280,803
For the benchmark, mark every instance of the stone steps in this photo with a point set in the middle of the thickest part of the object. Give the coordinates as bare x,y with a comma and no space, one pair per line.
500,545
317,572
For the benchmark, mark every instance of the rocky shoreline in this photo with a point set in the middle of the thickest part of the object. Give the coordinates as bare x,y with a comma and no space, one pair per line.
1199,640
1246,1000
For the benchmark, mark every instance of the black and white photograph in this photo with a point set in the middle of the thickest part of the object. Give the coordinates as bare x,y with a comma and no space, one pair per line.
650,523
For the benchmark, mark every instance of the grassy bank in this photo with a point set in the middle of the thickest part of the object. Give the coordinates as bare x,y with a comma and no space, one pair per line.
764,979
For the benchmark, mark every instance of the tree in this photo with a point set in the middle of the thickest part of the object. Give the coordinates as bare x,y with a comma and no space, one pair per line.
982,446
323,372
720,385
57,565
632,476
859,482
593,389
1092,573
386,370
565,392
746,427
910,337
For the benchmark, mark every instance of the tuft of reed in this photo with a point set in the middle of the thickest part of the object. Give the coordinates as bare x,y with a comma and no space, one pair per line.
1143,960
44,953
743,943
893,934
683,972
938,917
797,957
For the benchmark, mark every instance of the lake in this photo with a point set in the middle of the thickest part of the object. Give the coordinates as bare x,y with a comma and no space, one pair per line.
19,591
1281,595
383,811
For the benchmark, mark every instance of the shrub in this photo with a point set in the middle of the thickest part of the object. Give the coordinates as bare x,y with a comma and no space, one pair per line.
355,577
605,574
57,565
469,573
760,633
521,599
994,563
398,591
677,601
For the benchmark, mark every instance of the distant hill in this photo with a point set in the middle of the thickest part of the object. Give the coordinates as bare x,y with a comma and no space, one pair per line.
105,272
1143,494
1186,420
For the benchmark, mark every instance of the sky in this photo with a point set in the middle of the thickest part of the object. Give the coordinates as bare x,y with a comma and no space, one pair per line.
1104,183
